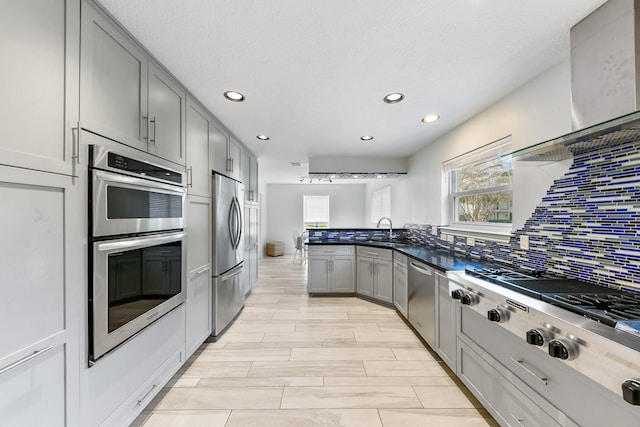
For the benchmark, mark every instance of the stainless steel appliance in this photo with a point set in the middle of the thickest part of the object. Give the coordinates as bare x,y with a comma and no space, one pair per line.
422,301
137,244
572,323
228,252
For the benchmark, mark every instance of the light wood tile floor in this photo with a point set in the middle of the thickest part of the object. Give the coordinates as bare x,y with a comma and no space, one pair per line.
290,360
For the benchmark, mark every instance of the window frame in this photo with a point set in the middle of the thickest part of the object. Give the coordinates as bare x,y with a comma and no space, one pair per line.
498,231
385,202
316,224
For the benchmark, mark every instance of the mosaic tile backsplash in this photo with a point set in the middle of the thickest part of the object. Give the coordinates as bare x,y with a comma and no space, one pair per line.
587,227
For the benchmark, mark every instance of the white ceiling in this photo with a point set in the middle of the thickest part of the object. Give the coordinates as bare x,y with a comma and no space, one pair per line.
314,72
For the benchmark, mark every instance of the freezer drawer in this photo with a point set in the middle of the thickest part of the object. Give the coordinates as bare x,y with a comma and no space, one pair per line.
228,299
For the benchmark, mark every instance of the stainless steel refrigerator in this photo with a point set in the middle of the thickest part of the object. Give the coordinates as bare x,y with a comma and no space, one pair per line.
228,252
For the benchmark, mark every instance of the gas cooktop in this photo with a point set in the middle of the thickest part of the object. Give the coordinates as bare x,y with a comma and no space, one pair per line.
606,305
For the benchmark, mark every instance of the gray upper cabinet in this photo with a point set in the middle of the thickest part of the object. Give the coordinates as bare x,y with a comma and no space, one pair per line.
124,95
235,159
250,176
166,116
198,150
226,155
39,40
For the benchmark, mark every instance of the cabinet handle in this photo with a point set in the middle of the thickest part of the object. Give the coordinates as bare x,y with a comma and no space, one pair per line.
190,176
373,253
230,164
146,396
24,359
153,121
200,271
518,420
543,380
75,145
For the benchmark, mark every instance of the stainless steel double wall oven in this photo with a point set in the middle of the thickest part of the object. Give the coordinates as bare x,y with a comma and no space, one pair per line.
136,243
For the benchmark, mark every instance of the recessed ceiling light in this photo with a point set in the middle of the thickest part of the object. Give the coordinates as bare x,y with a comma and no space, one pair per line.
234,96
393,98
263,137
430,118
366,138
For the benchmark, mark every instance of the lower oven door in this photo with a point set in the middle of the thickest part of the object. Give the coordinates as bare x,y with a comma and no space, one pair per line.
135,281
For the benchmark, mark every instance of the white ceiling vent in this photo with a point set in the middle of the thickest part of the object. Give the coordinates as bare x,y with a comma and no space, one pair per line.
296,164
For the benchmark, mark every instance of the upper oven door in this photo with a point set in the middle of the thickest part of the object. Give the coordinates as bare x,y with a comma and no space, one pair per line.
124,204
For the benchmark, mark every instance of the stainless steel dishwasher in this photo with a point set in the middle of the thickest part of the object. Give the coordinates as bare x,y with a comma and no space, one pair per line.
422,301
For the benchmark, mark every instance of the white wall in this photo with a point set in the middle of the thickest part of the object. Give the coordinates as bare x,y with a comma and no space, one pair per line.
283,206
538,111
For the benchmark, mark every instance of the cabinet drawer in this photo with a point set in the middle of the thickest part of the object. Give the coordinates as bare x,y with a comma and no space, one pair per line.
399,258
33,392
507,404
330,250
377,253
569,391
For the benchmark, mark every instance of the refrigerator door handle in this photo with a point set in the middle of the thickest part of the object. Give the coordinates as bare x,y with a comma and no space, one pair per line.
239,222
234,272
230,223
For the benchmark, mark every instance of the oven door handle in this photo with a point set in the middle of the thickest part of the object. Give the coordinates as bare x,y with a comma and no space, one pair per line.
139,242
136,183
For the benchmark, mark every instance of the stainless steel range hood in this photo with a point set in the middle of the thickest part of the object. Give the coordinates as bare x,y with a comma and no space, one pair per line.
605,66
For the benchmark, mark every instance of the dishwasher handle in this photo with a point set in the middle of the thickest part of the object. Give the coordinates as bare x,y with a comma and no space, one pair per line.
418,268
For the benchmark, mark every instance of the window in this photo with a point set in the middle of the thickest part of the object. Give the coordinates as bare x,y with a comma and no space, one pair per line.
480,187
380,204
316,211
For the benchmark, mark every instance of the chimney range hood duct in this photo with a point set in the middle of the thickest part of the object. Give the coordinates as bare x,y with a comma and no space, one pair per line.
356,167
605,68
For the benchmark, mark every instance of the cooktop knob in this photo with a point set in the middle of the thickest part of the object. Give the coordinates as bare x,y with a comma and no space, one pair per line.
468,299
498,315
631,391
537,337
457,293
562,349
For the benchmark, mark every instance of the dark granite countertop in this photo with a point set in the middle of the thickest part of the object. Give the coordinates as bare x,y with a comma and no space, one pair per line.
436,258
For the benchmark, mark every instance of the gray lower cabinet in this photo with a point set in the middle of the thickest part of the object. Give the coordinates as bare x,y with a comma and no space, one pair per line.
445,322
555,388
507,403
40,48
198,303
331,269
125,95
375,273
400,284
251,246
43,283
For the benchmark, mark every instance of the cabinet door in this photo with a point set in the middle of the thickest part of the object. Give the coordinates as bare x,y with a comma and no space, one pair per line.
113,82
166,116
218,160
198,297
446,323
343,274
33,393
318,275
235,159
400,293
35,64
365,276
253,179
383,289
197,146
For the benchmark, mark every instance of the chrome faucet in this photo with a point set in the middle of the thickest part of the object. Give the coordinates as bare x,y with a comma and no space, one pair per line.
390,226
